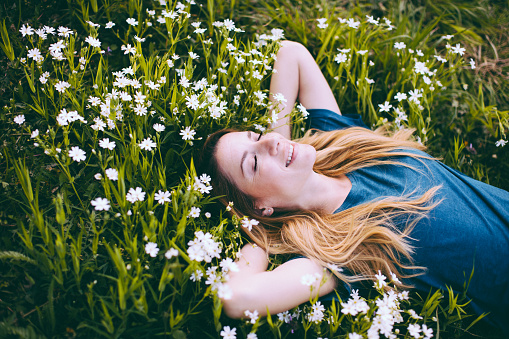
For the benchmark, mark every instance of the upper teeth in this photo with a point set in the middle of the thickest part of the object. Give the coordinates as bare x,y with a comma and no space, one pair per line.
290,153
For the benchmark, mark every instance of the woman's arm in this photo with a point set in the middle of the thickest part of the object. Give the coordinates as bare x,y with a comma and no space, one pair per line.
298,77
255,288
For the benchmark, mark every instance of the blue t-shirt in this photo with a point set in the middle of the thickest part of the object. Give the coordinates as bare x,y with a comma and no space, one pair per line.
468,229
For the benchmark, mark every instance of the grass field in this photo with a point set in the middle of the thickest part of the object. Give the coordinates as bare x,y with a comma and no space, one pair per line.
106,228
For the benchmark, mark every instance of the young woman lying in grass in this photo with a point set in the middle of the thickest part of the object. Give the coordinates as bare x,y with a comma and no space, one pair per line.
360,200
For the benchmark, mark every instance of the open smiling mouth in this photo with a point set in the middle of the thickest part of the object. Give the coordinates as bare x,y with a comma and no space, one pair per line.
290,154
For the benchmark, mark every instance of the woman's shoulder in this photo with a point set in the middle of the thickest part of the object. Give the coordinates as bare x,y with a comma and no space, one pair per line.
327,120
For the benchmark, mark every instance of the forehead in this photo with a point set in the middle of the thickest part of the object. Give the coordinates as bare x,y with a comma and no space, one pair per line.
229,151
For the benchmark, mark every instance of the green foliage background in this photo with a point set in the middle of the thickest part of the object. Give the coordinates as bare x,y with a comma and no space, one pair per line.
68,270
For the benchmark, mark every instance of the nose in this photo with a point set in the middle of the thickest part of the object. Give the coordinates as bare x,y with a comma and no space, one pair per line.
269,144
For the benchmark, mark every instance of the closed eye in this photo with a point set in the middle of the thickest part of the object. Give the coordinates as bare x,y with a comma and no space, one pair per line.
256,163
259,137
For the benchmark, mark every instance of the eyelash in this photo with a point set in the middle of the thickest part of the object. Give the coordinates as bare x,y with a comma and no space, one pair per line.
255,159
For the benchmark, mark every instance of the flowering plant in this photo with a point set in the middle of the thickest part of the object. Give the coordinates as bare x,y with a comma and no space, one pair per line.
114,234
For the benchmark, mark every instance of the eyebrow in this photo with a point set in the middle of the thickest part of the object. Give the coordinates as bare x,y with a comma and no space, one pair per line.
244,156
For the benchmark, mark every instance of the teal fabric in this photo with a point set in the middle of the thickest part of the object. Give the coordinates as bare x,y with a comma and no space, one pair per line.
467,231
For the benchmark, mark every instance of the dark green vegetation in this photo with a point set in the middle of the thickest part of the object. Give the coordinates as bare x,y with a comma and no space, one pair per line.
69,270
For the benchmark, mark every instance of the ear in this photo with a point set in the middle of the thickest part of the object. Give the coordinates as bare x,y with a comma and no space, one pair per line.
265,211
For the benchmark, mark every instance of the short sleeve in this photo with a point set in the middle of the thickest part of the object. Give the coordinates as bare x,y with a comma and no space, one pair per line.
326,120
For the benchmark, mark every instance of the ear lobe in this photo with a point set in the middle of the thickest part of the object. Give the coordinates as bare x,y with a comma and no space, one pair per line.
267,212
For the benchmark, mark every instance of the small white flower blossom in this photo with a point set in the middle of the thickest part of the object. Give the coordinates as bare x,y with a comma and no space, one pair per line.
162,197
458,49
101,204
172,252
94,42
187,133
501,143
399,45
159,127
132,21
249,223
228,333
151,249
385,107
77,154
20,119
322,23
112,174
106,143
194,212
135,195
147,144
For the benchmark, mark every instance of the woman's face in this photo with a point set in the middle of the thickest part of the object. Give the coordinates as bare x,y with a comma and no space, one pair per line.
269,168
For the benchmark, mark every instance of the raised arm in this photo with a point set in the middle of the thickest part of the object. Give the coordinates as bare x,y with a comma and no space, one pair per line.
299,77
255,288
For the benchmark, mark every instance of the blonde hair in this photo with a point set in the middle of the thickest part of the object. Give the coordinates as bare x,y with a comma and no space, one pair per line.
362,239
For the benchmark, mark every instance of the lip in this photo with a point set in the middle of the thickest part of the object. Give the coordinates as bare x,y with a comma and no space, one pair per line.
294,155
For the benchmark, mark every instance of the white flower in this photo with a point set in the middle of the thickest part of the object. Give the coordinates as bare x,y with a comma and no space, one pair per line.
112,174
162,197
135,195
249,223
64,31
101,204
203,247
501,143
414,96
458,49
472,63
26,30
228,333
151,249
172,252
193,55
399,45
20,119
380,283
309,279
61,86
352,23
317,312
77,154
196,275
334,267
147,144
228,265
109,24
285,316
187,133
414,330
400,96
34,134
205,178
354,336
132,21
34,53
93,41
303,110
427,332
253,316
194,212
208,215
385,107
322,23
159,127
98,176
341,57
106,143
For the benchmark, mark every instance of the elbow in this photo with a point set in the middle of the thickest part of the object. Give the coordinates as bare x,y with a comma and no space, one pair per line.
240,301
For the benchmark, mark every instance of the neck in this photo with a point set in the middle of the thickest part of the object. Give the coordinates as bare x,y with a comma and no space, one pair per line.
325,193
